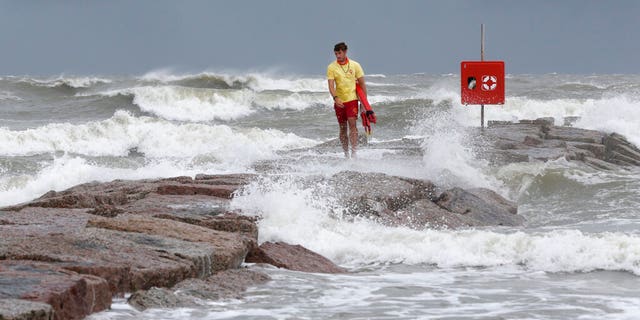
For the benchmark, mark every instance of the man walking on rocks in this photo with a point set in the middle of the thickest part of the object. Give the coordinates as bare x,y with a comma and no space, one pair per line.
342,75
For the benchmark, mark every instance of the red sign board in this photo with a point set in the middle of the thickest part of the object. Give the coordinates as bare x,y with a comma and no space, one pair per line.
482,82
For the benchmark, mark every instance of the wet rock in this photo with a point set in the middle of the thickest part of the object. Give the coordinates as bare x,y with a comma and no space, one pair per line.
620,151
423,214
570,121
540,140
368,194
414,203
106,210
178,205
224,191
130,251
571,134
237,180
230,248
128,261
480,207
599,164
335,143
17,309
292,257
222,186
228,284
159,298
122,236
69,295
229,222
122,192
90,195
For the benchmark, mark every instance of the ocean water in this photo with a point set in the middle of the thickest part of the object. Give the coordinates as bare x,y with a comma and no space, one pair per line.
577,256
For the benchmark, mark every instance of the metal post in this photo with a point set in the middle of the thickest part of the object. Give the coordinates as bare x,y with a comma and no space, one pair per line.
482,42
482,59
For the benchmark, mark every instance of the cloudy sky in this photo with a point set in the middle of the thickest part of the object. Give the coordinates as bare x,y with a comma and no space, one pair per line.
297,36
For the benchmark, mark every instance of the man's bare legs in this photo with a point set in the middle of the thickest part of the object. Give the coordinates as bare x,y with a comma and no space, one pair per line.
344,139
353,135
350,138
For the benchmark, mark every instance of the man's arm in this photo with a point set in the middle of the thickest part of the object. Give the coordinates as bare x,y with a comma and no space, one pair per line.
362,85
332,90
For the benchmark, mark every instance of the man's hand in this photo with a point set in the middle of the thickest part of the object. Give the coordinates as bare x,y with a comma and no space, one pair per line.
339,102
371,116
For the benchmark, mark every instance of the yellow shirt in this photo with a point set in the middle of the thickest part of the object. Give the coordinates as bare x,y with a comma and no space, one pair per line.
345,77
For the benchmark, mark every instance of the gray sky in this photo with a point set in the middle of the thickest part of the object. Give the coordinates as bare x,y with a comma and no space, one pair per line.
391,37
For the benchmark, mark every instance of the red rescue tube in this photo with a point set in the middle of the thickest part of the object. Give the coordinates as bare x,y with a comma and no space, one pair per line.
367,115
363,98
365,122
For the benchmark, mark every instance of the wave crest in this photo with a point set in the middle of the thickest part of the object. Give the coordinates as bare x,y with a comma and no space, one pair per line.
254,81
153,137
66,82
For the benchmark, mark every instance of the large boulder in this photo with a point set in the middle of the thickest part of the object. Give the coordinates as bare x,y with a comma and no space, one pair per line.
292,257
229,248
131,251
122,192
414,203
156,297
19,309
228,284
70,295
423,214
480,207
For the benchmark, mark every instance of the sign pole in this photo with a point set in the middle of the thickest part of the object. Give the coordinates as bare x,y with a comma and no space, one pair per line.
482,59
482,82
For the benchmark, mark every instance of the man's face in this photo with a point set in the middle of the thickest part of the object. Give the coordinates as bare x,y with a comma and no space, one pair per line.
341,55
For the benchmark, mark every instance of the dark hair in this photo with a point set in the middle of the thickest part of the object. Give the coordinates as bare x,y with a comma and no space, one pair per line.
340,46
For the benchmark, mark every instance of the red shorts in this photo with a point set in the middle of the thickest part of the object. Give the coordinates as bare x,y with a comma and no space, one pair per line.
350,110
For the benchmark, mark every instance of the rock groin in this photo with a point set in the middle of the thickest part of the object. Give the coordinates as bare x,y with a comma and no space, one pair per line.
541,140
76,249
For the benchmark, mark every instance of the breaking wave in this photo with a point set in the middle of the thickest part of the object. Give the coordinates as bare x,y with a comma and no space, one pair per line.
294,213
254,81
153,137
65,82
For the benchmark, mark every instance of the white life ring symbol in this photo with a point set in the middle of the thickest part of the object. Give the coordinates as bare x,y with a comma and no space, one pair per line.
489,83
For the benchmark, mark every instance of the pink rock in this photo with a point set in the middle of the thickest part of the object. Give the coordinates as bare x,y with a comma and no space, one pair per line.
292,257
71,295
